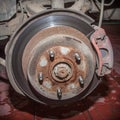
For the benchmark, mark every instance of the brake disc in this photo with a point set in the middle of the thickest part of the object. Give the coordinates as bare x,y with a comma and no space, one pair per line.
51,59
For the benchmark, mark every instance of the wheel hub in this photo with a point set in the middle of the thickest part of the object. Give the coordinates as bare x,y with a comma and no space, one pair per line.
51,60
62,65
62,71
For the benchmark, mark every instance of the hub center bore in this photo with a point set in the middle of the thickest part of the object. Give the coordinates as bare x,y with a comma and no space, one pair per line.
62,72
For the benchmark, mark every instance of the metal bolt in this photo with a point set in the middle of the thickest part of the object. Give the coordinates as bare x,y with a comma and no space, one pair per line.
59,93
40,77
81,81
52,55
62,70
77,57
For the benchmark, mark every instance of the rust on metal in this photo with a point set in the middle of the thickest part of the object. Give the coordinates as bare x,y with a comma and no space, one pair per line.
56,55
104,51
49,32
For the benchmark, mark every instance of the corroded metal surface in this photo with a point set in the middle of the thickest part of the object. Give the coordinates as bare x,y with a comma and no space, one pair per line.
62,46
56,38
51,60
102,104
104,51
39,23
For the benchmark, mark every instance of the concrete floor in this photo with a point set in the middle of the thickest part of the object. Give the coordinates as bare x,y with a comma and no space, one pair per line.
102,104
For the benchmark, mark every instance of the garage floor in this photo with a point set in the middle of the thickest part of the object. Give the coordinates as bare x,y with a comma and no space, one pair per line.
102,104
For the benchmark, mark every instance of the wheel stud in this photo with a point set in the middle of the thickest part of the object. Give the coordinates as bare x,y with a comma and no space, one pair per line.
77,57
40,76
52,55
59,93
81,81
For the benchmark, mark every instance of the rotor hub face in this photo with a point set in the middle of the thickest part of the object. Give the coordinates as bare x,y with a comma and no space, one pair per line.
55,64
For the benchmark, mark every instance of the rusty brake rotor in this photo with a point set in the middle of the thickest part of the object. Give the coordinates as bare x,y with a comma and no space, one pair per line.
50,58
